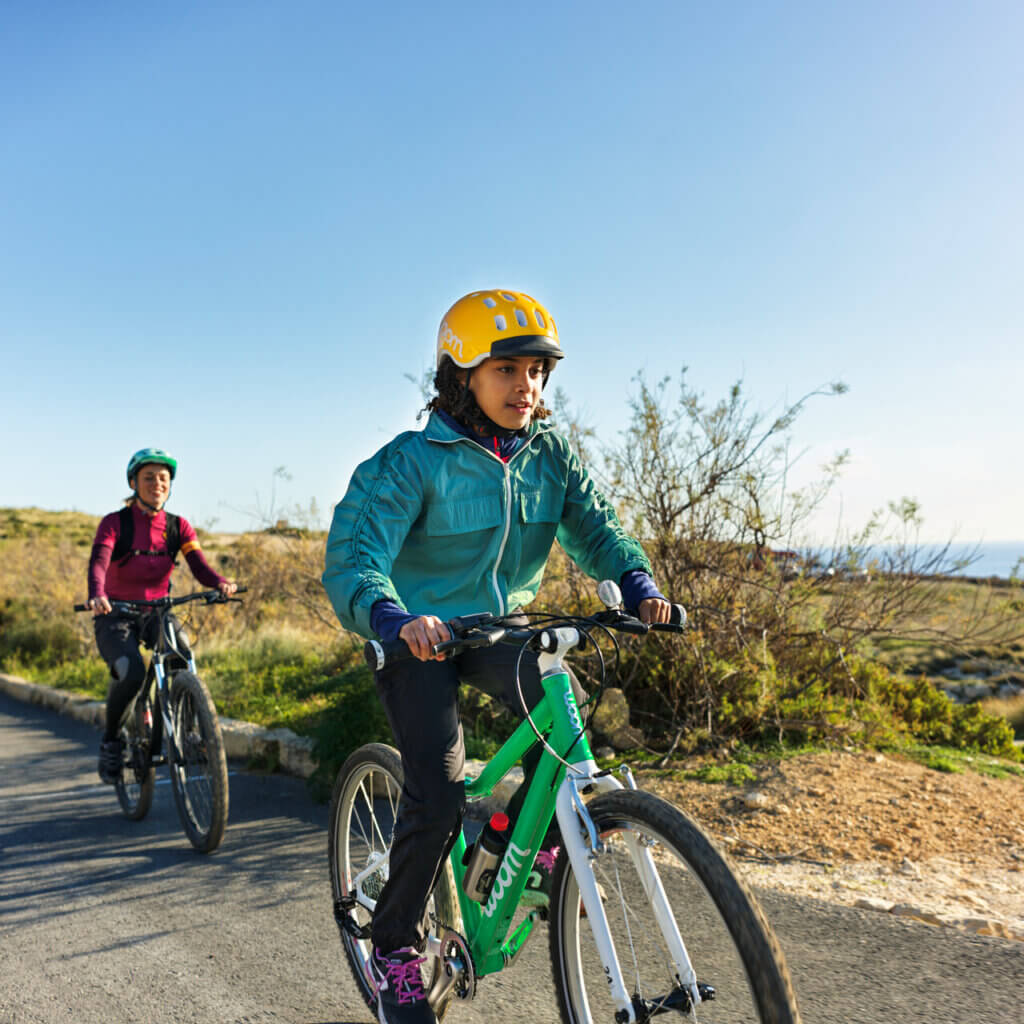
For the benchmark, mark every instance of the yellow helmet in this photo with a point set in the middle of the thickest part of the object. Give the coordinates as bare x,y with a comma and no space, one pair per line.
496,323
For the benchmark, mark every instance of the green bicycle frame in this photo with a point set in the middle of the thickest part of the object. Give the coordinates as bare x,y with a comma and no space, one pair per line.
557,717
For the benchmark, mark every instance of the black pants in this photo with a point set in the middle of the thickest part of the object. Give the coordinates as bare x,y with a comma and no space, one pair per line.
421,702
118,638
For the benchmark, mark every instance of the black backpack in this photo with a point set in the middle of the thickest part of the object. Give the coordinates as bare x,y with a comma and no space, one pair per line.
126,534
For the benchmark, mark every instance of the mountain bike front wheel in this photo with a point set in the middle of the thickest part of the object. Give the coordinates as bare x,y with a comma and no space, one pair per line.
135,784
364,808
740,971
199,769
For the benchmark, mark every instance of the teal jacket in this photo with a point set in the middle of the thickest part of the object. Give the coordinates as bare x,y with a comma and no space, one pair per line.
439,525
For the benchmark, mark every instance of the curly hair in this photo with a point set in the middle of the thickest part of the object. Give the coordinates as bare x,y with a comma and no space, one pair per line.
454,398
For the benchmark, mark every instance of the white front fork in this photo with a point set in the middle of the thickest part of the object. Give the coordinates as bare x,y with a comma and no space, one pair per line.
581,856
583,846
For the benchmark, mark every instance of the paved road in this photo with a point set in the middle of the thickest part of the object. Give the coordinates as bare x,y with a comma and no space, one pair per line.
106,920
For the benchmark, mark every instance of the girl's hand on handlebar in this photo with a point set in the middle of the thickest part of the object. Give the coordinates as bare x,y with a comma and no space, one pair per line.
227,588
98,605
421,634
655,610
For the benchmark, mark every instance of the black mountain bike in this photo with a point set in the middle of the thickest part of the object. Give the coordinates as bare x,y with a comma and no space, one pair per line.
174,704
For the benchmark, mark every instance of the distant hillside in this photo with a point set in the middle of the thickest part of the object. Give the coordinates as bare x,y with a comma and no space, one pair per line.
78,527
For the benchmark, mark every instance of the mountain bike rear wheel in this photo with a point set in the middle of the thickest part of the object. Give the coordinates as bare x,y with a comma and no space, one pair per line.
739,966
364,807
135,785
199,769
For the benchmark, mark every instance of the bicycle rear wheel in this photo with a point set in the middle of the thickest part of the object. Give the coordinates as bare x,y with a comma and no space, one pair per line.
199,769
364,807
739,966
135,786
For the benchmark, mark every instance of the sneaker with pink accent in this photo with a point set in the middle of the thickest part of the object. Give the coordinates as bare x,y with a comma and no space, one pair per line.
401,998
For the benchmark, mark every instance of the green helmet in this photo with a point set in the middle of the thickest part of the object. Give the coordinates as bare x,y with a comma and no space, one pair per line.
147,455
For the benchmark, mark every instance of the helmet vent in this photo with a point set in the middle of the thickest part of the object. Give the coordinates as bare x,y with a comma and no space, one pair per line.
505,295
499,322
521,318
540,320
489,302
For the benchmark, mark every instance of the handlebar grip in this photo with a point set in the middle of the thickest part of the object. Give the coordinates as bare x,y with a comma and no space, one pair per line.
676,622
379,653
241,590
81,608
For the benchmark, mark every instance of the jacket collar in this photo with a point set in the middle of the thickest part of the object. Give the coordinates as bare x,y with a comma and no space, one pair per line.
437,430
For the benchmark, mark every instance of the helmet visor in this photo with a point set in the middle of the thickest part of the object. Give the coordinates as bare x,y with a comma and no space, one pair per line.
539,345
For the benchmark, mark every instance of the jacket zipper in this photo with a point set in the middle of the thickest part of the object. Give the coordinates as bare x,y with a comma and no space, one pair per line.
507,488
504,536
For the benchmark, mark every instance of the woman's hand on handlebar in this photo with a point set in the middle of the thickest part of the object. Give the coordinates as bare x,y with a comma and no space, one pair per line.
421,634
227,587
99,605
653,610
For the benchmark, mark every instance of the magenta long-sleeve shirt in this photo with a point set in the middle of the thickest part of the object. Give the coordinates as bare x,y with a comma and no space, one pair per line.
143,577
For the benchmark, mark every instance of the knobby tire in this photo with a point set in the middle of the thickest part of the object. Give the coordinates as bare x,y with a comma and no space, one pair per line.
137,780
199,769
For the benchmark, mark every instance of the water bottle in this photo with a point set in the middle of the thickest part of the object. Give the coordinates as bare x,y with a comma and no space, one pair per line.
484,856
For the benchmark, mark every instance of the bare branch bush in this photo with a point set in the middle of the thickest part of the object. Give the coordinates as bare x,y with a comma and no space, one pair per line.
773,650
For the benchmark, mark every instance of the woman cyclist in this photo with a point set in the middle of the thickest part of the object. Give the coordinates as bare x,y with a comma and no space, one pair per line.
460,517
133,555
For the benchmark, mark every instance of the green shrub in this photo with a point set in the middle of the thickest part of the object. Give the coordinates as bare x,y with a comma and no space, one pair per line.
353,717
30,638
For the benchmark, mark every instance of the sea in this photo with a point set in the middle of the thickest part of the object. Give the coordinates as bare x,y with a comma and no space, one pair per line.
994,558
982,559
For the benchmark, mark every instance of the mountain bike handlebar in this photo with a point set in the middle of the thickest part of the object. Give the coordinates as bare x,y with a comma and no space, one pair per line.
485,630
209,596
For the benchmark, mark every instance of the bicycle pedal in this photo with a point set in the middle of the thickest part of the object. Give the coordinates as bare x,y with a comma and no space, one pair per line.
346,922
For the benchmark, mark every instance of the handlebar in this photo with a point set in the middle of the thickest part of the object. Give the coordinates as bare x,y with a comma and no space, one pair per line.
209,596
486,630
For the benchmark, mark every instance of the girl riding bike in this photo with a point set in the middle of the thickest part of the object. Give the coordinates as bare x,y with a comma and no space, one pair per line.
133,555
457,518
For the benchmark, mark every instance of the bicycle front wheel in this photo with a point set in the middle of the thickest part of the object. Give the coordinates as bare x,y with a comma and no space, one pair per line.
364,808
740,971
136,782
199,769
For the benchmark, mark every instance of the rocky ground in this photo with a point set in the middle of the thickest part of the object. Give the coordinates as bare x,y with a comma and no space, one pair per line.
876,831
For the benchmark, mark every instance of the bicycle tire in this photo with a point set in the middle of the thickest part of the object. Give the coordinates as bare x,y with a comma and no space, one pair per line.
729,941
199,769
137,779
364,805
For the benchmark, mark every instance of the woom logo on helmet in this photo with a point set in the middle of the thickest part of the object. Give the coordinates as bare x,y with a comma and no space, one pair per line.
450,340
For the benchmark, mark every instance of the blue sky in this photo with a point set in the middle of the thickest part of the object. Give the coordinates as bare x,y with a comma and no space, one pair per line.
231,229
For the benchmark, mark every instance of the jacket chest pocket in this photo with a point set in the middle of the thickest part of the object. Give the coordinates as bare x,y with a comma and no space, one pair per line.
542,506
468,515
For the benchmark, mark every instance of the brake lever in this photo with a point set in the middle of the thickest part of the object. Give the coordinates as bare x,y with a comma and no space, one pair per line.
631,625
483,638
622,621
668,627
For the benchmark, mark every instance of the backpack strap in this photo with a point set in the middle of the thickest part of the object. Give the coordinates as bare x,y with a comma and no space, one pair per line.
123,549
173,534
125,535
